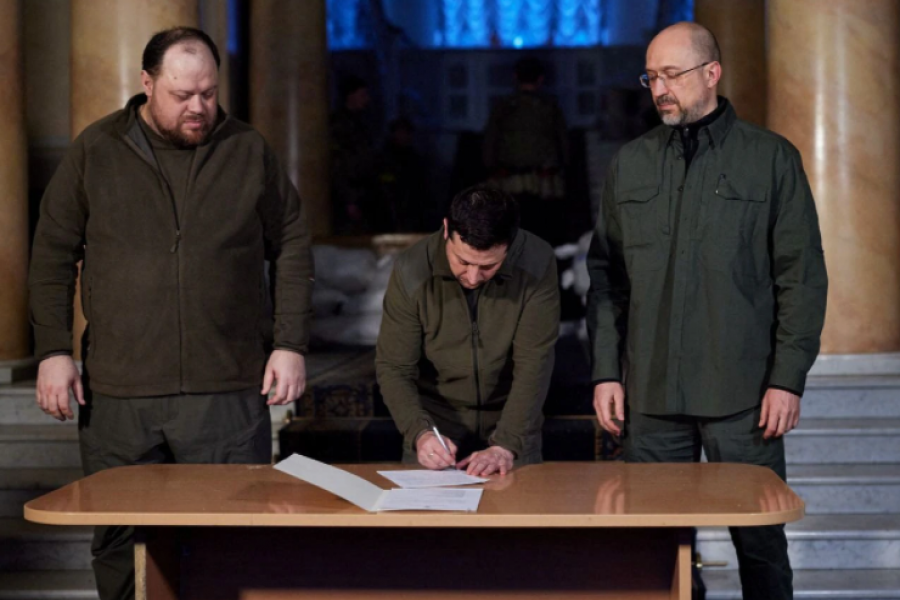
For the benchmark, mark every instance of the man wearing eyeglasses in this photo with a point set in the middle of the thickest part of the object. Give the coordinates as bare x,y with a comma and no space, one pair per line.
708,288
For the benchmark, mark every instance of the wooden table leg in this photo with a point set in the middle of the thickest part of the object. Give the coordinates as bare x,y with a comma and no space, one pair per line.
157,564
681,575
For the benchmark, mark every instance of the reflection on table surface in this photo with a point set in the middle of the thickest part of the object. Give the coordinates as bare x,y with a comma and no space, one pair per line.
548,495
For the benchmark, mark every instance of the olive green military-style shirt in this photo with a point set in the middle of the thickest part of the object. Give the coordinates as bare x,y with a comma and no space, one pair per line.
708,284
480,375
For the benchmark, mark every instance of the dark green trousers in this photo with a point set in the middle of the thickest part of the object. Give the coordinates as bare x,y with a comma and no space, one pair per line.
230,428
763,562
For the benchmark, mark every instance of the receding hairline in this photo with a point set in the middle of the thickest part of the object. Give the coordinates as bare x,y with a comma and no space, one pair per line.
188,46
703,41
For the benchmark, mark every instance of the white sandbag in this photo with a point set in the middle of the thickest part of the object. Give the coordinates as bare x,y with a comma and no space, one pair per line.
350,330
371,300
349,270
326,301
581,280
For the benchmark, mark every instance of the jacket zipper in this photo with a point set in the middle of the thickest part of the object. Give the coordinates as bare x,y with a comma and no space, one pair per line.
476,338
167,190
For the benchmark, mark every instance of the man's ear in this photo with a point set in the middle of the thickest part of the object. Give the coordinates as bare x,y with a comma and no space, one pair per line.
446,230
715,74
147,83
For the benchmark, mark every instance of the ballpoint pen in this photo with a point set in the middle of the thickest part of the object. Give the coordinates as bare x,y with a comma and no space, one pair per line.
440,440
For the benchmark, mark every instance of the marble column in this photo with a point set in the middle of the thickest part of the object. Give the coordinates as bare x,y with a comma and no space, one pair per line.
108,39
289,95
834,91
14,340
740,28
214,21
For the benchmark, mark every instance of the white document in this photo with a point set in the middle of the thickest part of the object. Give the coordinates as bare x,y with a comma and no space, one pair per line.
431,499
372,498
430,479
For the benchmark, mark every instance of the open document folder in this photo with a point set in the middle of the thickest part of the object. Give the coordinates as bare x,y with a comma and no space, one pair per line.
372,498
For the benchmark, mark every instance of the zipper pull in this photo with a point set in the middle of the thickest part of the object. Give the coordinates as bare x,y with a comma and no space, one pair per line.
174,247
475,333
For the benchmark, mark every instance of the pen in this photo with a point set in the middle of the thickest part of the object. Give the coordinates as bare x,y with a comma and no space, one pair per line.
440,439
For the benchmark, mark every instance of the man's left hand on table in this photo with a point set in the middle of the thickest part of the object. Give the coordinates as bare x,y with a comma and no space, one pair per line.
494,459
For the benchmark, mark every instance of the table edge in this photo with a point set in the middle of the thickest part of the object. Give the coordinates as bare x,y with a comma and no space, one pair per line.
403,519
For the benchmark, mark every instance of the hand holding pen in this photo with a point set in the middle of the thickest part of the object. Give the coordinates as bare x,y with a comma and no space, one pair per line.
434,451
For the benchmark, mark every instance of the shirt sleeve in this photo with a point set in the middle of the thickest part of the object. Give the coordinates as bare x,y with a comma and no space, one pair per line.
533,355
288,248
397,355
57,249
801,282
610,290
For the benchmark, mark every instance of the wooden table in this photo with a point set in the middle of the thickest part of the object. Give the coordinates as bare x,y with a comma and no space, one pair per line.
558,530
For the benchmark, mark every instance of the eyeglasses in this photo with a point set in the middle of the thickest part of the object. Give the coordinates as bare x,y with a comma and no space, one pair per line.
668,80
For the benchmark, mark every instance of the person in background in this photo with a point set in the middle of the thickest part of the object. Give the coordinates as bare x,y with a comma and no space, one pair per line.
402,176
526,151
354,186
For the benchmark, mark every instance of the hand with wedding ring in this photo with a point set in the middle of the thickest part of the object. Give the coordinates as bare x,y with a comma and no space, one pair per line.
432,455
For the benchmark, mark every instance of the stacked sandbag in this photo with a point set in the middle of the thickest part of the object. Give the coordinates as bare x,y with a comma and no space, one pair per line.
348,295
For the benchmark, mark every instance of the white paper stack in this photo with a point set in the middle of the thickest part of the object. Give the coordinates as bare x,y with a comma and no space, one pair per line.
372,498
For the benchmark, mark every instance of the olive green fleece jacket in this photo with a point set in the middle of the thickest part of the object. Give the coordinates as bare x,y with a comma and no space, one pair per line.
709,280
481,382
175,303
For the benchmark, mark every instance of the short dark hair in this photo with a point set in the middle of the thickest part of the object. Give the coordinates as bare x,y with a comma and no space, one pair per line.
159,44
529,70
484,217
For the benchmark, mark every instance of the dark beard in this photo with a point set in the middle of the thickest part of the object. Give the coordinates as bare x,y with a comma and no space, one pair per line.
175,137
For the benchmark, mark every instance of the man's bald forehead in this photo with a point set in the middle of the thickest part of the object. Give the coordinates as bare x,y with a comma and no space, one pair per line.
703,42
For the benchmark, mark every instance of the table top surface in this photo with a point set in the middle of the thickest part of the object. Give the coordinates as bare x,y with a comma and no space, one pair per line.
611,494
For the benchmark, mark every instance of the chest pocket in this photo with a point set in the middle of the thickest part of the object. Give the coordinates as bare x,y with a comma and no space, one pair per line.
641,230
735,220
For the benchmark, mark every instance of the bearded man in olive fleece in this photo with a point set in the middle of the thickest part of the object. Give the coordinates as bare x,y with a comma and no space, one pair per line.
471,317
173,206
708,282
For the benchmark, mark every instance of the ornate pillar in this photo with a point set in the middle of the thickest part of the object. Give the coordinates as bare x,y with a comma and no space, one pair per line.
14,331
108,39
834,91
289,95
740,27
214,21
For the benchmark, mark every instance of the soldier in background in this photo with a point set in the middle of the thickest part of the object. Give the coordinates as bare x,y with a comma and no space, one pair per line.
525,152
353,162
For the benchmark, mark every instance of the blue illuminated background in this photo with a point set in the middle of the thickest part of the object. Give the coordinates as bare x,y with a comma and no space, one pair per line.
505,23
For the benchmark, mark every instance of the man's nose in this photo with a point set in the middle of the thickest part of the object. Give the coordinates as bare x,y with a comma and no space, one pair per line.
658,86
195,105
473,275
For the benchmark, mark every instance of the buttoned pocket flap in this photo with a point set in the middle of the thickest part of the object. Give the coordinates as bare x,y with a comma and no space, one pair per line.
735,190
641,194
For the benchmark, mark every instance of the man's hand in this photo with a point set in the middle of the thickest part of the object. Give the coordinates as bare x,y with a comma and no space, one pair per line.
780,412
432,455
288,369
56,376
487,462
609,403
